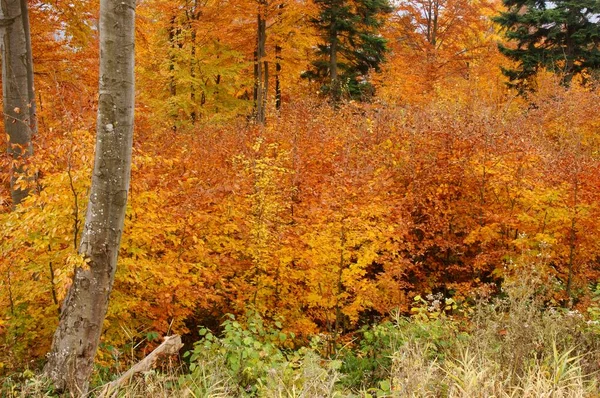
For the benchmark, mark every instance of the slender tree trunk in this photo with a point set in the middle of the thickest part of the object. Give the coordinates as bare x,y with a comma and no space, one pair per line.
261,66
434,32
278,59
265,89
572,237
71,358
429,17
217,83
340,287
17,92
173,43
193,115
195,16
333,66
173,39
278,77
29,61
262,71
255,90
569,60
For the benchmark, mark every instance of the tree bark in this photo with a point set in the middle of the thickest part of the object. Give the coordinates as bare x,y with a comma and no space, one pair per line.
278,77
17,92
192,21
278,59
572,238
333,65
261,67
71,358
173,41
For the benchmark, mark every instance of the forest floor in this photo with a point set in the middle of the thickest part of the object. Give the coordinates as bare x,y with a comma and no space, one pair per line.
509,346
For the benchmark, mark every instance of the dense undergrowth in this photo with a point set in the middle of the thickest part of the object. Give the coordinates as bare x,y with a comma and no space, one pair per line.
325,228
324,224
509,346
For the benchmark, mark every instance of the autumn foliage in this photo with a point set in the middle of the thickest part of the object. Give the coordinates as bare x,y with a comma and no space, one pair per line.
326,218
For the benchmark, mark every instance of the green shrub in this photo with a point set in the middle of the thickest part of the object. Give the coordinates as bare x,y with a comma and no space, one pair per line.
245,352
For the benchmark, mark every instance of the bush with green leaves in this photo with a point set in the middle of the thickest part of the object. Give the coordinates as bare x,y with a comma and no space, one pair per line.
368,363
246,353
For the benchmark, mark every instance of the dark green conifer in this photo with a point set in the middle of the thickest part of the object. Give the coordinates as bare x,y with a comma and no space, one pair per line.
352,46
561,35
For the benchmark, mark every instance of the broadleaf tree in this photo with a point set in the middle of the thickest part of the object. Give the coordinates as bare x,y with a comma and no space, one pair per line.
17,92
71,359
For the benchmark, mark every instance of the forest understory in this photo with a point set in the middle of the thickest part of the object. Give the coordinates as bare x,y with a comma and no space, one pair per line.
454,217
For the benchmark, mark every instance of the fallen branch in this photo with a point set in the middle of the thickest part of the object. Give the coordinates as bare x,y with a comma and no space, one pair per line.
170,346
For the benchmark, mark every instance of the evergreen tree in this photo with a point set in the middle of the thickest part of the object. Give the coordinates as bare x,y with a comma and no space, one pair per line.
560,35
351,46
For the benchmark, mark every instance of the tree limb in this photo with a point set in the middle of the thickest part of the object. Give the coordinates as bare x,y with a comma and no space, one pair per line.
170,346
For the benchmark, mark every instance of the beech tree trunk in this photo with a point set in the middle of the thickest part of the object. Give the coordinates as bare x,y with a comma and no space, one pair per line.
17,92
71,358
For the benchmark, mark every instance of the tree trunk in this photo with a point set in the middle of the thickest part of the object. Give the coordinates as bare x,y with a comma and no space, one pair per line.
71,358
192,20
173,40
17,91
569,68
278,59
572,238
261,66
333,66
193,115
278,77
29,61
265,89
255,88
434,32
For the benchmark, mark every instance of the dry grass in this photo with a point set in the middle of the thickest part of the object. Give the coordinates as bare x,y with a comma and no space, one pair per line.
514,347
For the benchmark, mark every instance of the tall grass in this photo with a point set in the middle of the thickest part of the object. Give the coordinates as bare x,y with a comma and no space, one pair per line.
512,346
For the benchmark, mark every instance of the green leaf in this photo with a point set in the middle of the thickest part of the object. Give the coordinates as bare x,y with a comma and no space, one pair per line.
151,336
385,385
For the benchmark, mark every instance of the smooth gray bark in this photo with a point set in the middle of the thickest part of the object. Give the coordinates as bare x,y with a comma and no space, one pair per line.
17,91
71,359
